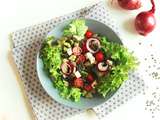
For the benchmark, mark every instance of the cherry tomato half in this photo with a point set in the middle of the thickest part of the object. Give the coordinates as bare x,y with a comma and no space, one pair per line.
88,34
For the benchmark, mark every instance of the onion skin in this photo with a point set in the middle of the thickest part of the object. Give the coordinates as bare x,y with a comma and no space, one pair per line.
145,22
130,4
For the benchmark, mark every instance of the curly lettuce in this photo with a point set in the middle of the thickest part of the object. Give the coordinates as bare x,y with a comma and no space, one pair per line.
51,57
76,28
123,60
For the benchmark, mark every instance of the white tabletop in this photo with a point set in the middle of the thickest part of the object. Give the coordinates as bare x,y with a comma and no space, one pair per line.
16,14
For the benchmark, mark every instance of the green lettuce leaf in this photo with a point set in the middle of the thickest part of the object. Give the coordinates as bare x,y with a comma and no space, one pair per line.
123,62
76,28
51,57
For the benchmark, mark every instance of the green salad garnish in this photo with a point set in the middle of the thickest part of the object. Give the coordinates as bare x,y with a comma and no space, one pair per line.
124,62
82,63
76,28
51,56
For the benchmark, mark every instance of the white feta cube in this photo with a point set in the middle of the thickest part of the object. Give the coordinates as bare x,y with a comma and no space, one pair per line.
92,60
90,57
77,74
69,51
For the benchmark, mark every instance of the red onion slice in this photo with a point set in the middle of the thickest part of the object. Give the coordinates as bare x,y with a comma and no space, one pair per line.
67,68
102,67
91,43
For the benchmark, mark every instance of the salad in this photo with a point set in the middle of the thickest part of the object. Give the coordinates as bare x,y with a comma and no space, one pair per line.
83,64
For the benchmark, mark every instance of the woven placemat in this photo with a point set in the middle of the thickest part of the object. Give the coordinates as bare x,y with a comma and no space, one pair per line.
26,43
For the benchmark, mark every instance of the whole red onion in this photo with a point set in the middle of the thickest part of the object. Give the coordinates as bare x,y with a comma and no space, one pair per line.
130,4
145,21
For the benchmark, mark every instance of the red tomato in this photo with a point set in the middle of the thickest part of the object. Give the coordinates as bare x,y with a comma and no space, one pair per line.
90,77
88,34
81,59
99,56
84,47
78,82
88,87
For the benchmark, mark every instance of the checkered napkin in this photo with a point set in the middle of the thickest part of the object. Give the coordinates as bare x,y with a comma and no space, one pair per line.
26,44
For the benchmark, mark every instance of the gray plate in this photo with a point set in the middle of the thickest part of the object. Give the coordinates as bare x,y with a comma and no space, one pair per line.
96,27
